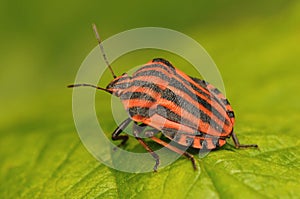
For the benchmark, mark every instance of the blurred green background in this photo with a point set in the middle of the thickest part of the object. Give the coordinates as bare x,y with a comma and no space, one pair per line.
255,45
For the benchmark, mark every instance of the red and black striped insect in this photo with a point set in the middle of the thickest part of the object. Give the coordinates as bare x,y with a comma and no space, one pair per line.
187,110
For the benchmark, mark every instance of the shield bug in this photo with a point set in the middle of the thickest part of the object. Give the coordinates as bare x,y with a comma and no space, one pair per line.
187,110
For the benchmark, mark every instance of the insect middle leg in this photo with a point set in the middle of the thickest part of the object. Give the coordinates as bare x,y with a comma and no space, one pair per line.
151,132
116,134
238,145
175,149
136,131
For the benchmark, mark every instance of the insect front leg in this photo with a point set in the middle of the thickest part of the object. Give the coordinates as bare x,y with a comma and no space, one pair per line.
116,134
136,132
238,145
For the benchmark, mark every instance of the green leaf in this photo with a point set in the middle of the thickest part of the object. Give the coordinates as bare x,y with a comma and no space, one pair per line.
56,166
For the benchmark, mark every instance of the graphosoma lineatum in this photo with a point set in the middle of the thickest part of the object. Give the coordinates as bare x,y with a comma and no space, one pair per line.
187,110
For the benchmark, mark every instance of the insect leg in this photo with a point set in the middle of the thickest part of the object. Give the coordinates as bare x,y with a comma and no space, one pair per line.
175,149
143,143
119,129
238,145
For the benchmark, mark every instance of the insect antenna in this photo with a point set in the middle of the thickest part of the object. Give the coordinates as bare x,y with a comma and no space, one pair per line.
102,50
89,85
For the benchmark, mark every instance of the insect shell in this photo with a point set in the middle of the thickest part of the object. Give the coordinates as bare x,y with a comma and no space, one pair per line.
187,110
183,108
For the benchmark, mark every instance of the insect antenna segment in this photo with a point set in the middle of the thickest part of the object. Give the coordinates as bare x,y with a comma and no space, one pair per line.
106,62
102,50
89,85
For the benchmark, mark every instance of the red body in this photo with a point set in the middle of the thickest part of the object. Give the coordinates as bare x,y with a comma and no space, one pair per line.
187,110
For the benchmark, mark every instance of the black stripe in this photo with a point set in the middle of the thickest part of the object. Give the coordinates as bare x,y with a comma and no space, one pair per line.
216,91
178,85
145,84
121,85
162,111
170,115
137,95
154,66
215,98
225,101
184,104
204,84
201,82
230,114
142,111
203,143
163,61
154,73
